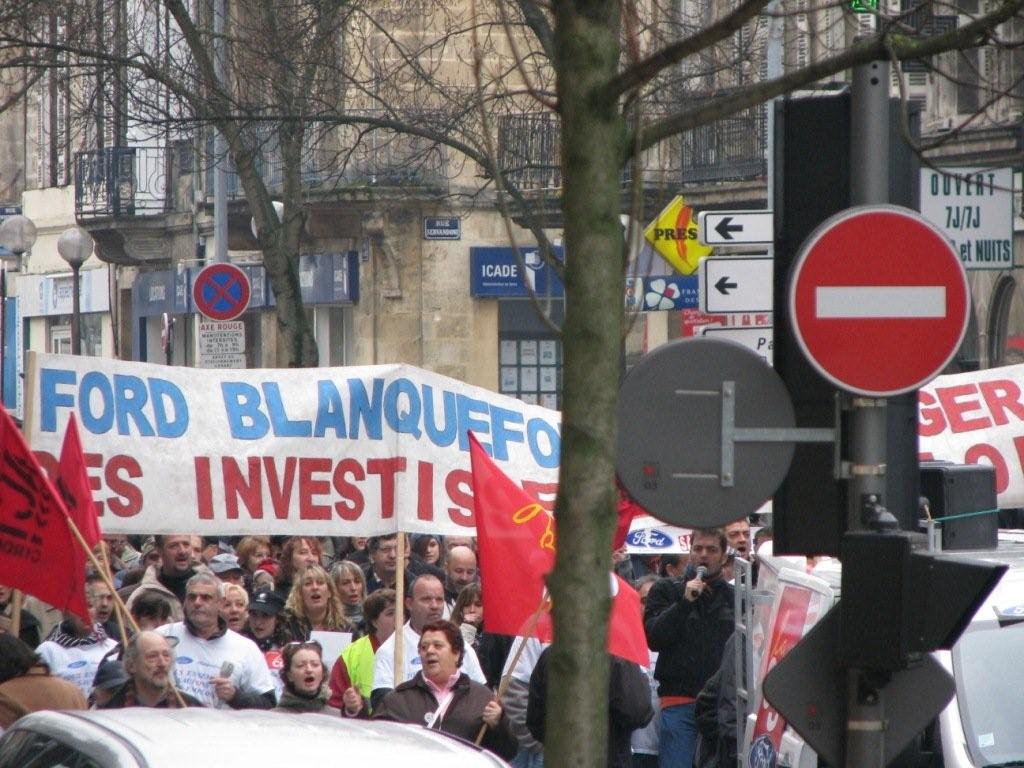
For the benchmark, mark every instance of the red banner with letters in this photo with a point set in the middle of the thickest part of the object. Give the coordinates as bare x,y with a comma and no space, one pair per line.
38,553
786,630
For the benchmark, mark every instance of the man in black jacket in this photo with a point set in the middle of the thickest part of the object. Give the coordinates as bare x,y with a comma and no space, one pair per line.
629,705
688,620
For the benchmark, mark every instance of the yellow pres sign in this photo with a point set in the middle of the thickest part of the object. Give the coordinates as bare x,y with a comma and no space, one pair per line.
674,235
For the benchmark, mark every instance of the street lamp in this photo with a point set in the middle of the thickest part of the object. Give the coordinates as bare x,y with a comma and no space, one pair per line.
17,236
75,246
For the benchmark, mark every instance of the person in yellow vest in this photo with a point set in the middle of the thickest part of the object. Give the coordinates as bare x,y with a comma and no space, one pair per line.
352,675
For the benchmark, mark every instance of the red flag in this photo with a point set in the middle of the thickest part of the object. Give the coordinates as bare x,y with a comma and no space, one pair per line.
627,509
626,638
516,537
73,484
38,553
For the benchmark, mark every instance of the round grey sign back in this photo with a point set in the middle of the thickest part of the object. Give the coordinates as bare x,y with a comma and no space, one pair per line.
695,442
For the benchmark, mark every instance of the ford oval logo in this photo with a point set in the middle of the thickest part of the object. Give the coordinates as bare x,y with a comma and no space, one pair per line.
650,538
77,664
184,660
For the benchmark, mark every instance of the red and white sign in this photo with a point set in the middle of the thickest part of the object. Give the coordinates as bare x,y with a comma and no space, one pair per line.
878,300
221,291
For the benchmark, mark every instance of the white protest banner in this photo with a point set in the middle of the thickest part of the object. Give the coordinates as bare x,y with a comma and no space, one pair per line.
977,418
317,451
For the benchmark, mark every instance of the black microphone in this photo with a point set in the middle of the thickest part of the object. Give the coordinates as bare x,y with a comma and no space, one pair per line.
702,572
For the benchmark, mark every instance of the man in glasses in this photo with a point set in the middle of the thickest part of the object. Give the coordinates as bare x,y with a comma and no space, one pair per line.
214,664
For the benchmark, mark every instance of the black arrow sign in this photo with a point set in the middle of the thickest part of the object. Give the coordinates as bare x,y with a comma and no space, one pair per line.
725,228
723,285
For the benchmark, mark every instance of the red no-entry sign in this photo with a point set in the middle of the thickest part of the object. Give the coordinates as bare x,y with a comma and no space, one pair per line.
221,291
879,300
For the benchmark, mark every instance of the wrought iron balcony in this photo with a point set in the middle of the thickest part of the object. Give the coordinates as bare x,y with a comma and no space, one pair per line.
726,150
122,181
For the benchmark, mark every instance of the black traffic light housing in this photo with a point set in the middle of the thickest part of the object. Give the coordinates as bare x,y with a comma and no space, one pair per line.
897,603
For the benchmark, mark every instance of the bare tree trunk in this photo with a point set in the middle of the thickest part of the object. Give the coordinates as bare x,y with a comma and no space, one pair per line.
593,141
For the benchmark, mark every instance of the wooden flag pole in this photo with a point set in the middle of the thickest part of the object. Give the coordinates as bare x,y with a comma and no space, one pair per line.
531,627
16,602
399,676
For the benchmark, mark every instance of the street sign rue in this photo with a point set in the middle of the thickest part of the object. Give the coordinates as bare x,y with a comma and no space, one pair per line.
735,227
878,300
221,291
736,284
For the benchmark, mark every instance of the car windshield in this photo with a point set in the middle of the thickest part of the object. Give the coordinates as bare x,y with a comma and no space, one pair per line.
989,682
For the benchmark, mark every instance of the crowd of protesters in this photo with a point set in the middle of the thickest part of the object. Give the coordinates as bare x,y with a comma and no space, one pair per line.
241,623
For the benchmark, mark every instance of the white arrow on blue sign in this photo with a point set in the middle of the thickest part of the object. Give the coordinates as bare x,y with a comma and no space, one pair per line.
735,227
736,284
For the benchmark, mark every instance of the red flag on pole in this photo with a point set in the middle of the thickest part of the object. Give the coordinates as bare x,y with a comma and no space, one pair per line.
627,509
38,553
626,638
73,484
516,537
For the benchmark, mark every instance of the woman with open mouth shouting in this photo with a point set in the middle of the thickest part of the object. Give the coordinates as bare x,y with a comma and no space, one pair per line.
314,605
443,697
305,680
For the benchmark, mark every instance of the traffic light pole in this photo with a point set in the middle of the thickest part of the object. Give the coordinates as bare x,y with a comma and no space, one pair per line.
869,184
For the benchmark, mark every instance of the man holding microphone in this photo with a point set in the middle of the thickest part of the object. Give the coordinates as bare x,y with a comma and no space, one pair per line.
688,620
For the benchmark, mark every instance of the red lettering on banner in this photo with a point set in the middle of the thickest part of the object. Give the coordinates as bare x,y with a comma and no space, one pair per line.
118,471
351,506
459,485
931,422
280,489
204,492
387,469
117,474
309,487
955,409
1002,396
976,453
236,485
425,491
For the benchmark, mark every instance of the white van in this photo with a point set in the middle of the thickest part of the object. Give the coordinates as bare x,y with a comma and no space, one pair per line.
984,723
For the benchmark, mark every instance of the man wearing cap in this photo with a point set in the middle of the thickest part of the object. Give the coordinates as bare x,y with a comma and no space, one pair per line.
267,632
227,568
147,674
110,676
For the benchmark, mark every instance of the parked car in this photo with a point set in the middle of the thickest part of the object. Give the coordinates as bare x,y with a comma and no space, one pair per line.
197,738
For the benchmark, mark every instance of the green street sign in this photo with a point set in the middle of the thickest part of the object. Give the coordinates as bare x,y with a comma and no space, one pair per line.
864,6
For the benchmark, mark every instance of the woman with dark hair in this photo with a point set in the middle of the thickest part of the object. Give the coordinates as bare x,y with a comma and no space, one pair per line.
444,698
427,547
314,604
305,680
298,553
26,684
354,670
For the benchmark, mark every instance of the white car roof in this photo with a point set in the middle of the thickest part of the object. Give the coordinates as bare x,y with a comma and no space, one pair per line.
174,738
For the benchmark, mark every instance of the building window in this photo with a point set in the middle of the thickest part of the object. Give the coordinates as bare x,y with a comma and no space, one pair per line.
529,354
90,328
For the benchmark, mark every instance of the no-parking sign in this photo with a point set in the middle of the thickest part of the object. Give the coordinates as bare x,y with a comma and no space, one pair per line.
221,291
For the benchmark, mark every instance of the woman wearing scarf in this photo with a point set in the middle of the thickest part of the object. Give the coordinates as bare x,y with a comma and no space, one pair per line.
443,697
305,680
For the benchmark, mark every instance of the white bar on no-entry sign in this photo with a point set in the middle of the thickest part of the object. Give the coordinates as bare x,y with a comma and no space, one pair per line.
851,302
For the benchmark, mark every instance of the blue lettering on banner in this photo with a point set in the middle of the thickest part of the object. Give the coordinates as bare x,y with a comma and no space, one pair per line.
143,407
351,409
406,408
77,664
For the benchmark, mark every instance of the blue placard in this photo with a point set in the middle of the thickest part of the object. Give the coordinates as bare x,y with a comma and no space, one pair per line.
442,229
494,273
669,293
